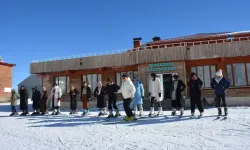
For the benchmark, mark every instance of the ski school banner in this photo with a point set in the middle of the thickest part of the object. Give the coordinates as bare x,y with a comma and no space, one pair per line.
161,67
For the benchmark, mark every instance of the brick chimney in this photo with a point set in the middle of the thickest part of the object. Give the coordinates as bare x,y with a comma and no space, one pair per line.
137,42
156,38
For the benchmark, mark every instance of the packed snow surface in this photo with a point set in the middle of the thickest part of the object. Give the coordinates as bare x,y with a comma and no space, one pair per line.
67,132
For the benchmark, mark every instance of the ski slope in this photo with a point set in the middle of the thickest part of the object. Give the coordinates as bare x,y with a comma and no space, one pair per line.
67,132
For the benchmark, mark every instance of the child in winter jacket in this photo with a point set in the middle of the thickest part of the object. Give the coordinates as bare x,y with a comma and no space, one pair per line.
13,103
138,98
128,91
73,102
220,84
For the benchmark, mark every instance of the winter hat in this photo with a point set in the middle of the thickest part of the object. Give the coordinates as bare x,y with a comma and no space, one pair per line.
219,73
175,76
125,75
153,75
192,74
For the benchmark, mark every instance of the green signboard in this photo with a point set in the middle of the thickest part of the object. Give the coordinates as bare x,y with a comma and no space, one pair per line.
161,67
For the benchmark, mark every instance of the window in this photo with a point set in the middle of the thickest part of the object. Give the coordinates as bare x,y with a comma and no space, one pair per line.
64,83
92,80
131,74
239,74
205,73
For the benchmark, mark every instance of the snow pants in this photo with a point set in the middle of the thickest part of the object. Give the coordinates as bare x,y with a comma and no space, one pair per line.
112,101
219,98
127,109
196,101
152,101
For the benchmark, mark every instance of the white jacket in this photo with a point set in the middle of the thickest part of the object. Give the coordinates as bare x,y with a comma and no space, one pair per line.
127,89
155,87
58,94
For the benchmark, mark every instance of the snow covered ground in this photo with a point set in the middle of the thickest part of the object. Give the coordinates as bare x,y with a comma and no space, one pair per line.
75,133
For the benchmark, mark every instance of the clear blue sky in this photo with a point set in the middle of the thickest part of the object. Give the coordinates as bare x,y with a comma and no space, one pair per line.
38,29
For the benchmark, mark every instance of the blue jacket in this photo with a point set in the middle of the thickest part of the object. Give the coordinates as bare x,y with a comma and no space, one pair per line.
137,100
219,88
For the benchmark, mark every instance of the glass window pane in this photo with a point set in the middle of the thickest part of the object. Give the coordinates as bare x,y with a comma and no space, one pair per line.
118,78
68,84
99,77
212,69
84,78
193,69
62,84
89,80
130,74
230,74
94,81
239,74
248,72
207,77
200,73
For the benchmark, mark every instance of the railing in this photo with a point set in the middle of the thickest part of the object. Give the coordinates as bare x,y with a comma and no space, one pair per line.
181,44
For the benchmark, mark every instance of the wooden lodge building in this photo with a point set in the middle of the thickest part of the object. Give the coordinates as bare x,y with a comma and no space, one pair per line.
200,53
5,80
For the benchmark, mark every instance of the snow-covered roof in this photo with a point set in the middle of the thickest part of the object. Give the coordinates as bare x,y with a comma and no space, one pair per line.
1,59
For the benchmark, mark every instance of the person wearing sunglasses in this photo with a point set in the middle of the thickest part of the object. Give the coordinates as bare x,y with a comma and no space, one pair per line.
128,91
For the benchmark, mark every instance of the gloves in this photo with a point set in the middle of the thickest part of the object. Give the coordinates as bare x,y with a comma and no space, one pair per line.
159,94
59,99
149,94
142,97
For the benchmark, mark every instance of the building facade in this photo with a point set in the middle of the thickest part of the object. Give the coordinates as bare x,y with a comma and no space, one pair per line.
5,81
31,82
200,53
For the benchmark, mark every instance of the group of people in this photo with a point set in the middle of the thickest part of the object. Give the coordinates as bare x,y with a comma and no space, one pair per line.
132,93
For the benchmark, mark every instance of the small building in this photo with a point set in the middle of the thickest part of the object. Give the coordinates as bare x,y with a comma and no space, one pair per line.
201,53
31,82
5,80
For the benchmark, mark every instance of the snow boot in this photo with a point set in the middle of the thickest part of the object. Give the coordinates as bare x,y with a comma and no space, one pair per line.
12,114
181,112
110,114
173,112
152,111
43,113
192,115
33,114
219,111
159,111
132,118
16,114
71,112
26,113
201,115
54,112
117,114
226,111
58,111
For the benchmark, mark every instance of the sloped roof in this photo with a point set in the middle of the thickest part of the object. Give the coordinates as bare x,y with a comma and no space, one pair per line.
198,36
6,64
32,80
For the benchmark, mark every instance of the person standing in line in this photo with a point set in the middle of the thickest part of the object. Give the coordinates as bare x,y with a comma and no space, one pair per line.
44,98
23,101
177,100
220,84
101,102
155,92
137,101
111,89
56,95
13,102
36,101
73,100
128,91
195,85
86,97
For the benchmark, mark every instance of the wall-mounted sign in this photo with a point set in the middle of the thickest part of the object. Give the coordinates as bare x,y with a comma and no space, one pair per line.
7,90
161,67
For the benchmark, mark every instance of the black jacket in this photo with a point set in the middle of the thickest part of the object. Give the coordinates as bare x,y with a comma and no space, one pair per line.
180,88
23,99
112,89
195,88
36,98
73,94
